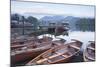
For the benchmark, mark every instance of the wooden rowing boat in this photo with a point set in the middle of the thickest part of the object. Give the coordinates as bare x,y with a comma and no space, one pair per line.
18,46
28,52
58,54
89,52
24,42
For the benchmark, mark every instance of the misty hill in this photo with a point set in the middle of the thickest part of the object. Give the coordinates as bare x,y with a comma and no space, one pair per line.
75,23
52,18
72,21
67,19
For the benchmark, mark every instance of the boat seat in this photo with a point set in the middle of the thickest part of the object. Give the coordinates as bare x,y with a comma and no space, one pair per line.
91,48
55,55
90,58
65,56
42,60
74,47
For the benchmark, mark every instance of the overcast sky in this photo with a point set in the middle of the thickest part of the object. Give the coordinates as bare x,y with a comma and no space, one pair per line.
49,8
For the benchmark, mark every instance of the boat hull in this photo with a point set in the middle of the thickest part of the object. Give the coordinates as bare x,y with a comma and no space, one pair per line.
25,56
89,53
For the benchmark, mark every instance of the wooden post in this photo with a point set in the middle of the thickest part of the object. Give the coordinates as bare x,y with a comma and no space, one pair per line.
23,24
55,30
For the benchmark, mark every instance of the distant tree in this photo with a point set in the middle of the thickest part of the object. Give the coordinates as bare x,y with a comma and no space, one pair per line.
23,20
15,17
33,21
86,24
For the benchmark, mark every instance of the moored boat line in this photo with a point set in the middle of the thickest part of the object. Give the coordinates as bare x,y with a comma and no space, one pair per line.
47,51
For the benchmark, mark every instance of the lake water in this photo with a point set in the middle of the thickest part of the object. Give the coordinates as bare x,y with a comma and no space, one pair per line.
79,35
